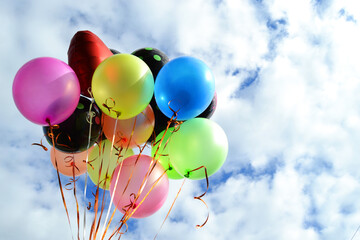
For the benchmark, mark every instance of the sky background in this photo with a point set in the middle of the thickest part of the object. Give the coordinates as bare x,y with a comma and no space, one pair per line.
288,82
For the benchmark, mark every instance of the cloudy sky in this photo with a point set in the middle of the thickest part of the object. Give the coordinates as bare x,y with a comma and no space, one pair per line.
288,83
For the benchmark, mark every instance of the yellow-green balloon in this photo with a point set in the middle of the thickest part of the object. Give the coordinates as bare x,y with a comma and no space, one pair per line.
107,157
122,86
198,142
163,154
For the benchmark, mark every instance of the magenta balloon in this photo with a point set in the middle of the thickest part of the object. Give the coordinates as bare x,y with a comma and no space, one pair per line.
156,197
46,89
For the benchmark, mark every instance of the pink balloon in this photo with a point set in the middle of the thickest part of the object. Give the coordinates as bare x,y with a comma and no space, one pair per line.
46,89
157,196
69,163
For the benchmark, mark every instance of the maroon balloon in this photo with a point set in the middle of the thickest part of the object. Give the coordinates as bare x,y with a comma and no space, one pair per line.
86,52
209,111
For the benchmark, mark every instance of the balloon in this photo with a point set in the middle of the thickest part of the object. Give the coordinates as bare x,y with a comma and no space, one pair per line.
122,86
185,85
144,126
46,90
155,59
114,51
209,111
86,52
162,154
72,134
69,163
106,157
198,142
136,172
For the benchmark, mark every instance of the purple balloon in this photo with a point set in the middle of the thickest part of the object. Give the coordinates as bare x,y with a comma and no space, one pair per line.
46,90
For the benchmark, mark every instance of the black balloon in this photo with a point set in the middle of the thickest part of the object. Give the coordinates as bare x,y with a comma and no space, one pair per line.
209,111
114,51
155,59
72,134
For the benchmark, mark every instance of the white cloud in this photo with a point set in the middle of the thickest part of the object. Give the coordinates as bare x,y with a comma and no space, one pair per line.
293,133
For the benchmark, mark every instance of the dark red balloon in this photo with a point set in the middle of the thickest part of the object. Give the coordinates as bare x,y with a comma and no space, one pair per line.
209,111
86,52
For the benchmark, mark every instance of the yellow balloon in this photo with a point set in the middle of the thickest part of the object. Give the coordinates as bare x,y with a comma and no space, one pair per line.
122,86
107,157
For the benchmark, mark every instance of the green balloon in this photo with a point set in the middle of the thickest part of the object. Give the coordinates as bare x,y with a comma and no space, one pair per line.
163,154
102,155
198,142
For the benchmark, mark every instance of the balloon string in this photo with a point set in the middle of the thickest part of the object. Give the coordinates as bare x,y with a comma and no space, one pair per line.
147,194
101,211
124,219
96,201
106,176
113,138
96,205
173,118
172,205
77,203
40,144
200,197
126,216
111,149
133,205
355,232
137,159
87,160
108,224
59,180
104,228
115,186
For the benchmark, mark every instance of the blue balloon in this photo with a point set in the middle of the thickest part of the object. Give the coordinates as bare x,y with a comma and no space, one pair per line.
185,85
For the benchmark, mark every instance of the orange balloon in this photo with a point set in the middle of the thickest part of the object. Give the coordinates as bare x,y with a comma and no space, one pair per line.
144,127
69,163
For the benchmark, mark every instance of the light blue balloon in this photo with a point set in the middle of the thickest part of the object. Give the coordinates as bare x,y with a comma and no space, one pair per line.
185,84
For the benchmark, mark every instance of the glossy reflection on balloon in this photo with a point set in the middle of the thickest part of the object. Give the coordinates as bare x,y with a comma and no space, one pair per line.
184,85
199,142
122,86
46,90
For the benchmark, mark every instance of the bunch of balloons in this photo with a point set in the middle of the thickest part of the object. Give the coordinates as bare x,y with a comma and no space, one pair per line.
102,104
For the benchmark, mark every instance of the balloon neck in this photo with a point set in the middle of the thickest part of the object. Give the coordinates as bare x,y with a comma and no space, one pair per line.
187,175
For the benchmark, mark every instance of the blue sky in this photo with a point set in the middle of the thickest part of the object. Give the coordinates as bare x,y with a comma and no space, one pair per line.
287,80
